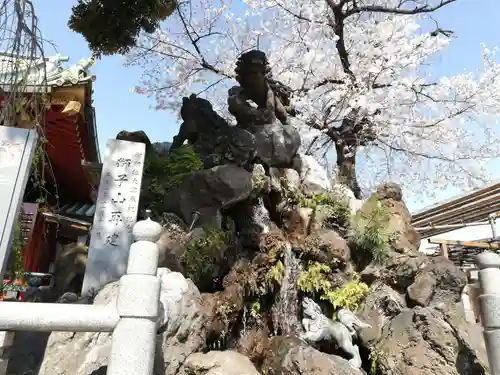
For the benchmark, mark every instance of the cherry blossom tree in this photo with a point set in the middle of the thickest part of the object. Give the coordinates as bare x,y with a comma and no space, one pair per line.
359,73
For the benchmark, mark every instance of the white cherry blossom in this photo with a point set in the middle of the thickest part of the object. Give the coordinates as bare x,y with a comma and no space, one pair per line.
370,63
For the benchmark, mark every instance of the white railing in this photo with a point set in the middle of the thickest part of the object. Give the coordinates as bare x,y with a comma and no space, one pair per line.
133,320
489,300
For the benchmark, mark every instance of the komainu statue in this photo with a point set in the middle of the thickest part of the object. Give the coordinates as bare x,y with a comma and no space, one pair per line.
351,321
318,328
211,136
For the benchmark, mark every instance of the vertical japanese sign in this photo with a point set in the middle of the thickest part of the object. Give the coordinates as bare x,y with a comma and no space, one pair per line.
116,213
17,147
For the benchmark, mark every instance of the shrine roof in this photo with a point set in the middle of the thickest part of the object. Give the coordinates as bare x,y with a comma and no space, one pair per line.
80,209
68,226
475,206
78,215
32,73
69,141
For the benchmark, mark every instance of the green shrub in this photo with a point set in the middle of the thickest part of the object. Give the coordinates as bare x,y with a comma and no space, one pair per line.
315,281
255,310
374,358
201,254
370,235
16,256
163,174
350,296
338,210
274,276
178,162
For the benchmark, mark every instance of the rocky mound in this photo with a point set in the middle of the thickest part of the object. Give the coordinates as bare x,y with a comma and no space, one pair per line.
233,287
268,268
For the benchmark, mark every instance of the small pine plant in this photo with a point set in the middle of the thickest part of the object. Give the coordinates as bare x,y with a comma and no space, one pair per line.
339,211
370,235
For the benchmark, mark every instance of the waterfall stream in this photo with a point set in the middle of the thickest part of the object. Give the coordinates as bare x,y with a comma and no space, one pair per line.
285,312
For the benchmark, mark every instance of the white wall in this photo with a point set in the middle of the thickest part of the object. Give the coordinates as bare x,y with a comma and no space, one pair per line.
462,234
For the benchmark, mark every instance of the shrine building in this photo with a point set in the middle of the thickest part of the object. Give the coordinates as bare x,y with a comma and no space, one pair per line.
59,201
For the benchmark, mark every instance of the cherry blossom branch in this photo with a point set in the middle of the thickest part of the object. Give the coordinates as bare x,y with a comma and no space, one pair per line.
338,29
381,9
194,42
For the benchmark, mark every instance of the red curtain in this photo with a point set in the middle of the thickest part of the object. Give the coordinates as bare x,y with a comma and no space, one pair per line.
47,252
35,245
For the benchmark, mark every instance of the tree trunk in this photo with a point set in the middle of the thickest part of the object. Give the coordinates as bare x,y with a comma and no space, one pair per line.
346,163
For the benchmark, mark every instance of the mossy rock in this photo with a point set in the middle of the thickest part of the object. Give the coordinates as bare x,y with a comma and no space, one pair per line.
70,268
164,173
203,251
331,210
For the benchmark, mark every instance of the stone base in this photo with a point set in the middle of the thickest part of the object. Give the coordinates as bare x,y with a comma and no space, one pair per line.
3,366
6,340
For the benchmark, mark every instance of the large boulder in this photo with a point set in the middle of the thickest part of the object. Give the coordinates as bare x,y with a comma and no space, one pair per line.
346,193
427,341
438,281
172,242
210,190
390,197
276,145
219,363
333,246
285,179
420,340
70,266
426,280
380,306
326,246
313,177
182,328
251,219
291,356
138,136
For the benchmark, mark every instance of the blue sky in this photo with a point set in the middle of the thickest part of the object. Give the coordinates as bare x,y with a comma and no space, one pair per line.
118,108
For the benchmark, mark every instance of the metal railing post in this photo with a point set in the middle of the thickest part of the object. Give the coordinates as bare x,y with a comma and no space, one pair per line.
489,300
